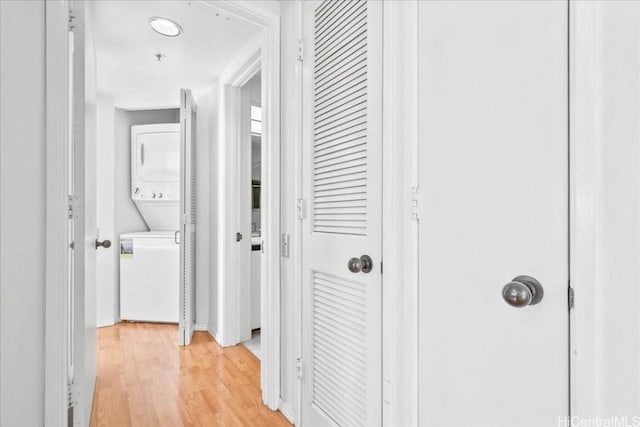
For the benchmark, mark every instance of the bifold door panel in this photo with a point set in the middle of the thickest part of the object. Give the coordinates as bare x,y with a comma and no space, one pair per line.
188,217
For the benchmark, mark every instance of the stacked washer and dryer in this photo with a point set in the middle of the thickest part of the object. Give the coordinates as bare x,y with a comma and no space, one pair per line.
150,260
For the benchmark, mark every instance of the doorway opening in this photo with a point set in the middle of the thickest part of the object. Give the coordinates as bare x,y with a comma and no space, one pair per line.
154,186
135,71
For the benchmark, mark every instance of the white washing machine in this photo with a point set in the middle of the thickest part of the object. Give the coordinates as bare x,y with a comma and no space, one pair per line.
150,261
149,276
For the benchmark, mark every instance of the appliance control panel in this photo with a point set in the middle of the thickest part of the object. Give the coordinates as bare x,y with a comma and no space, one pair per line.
157,191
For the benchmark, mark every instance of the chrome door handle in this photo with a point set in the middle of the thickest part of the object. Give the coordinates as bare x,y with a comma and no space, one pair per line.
522,291
363,264
105,244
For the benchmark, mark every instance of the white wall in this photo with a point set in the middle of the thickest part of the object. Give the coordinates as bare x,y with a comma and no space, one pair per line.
618,285
107,304
22,212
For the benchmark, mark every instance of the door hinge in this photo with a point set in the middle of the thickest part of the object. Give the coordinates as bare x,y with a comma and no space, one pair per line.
300,208
74,207
284,246
415,203
300,50
71,18
238,236
72,395
299,368
72,403
571,298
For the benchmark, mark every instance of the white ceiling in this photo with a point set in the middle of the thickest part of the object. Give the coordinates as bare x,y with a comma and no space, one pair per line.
125,47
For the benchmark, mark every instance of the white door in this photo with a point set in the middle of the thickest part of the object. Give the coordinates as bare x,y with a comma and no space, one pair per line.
342,143
187,217
81,367
493,205
76,228
244,197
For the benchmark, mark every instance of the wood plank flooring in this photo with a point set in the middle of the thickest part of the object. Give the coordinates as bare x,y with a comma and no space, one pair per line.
145,379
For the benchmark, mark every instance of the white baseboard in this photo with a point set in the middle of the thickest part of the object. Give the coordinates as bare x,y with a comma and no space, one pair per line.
214,333
105,322
286,411
201,326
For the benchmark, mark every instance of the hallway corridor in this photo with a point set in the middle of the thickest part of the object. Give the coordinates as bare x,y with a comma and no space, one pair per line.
145,379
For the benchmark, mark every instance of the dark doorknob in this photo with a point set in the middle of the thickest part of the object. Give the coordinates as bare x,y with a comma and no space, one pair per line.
105,244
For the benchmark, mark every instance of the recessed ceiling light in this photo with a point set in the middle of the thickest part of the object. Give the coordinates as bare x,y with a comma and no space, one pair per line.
165,26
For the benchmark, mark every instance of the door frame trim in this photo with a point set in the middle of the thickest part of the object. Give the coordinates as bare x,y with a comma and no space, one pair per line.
400,228
585,102
263,53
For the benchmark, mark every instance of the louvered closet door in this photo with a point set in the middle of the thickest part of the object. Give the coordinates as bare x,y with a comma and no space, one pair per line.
188,217
342,143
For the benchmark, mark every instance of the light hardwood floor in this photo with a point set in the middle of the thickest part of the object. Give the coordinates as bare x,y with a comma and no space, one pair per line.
145,379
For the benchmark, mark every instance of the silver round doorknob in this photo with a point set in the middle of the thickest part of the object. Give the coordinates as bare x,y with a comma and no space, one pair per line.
363,264
354,265
522,291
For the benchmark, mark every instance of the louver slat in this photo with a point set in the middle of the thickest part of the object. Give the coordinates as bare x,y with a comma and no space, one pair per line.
346,61
339,348
341,23
336,144
194,162
340,118
355,84
340,191
192,213
343,132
